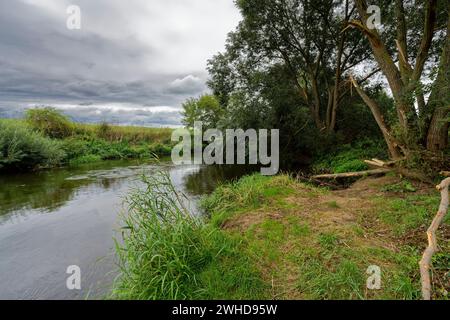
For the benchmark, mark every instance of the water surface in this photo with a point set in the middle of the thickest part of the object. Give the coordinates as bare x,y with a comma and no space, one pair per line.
52,219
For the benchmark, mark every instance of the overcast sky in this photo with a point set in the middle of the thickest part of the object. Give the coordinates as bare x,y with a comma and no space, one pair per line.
132,62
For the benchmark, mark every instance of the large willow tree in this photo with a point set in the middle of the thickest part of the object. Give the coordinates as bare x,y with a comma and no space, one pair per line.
422,48
327,49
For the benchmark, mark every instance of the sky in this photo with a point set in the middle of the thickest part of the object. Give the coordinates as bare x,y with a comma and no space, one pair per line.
132,62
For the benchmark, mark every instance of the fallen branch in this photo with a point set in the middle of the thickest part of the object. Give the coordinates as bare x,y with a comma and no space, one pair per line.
445,173
425,263
375,163
352,174
382,164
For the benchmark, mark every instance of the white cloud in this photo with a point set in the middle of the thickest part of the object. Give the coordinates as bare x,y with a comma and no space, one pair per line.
188,84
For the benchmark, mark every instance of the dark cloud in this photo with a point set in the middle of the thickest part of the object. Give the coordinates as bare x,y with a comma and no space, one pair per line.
127,58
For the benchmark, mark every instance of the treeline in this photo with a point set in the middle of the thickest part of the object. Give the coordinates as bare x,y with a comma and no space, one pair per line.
319,72
46,138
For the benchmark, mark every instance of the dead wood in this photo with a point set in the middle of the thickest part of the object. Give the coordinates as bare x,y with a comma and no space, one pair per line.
425,262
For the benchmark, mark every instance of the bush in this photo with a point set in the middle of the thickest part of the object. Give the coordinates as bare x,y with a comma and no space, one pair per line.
50,122
349,158
161,150
89,158
22,148
75,147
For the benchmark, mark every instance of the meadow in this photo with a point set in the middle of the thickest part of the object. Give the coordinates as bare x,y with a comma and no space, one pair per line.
46,138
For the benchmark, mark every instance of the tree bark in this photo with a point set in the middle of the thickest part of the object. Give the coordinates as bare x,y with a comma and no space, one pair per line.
392,145
439,101
437,139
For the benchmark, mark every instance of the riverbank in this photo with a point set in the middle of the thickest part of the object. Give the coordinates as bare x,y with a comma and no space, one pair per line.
49,139
276,238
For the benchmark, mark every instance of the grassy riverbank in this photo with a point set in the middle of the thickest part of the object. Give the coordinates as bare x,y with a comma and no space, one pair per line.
46,138
276,238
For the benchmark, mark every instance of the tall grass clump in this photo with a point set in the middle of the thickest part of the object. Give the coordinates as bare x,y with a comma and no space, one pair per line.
161,249
167,253
50,122
21,148
129,134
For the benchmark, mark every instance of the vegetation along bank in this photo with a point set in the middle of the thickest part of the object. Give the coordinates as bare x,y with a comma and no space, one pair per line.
46,138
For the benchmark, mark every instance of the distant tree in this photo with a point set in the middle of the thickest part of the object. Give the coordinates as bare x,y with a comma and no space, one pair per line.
206,108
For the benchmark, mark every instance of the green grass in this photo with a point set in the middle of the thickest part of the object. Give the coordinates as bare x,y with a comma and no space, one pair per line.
47,138
266,239
250,192
404,215
169,254
329,263
401,187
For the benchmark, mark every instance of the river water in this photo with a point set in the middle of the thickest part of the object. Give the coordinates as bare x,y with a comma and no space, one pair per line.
53,219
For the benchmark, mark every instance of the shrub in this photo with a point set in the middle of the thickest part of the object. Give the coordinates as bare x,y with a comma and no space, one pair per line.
89,158
160,149
75,147
22,148
50,122
350,158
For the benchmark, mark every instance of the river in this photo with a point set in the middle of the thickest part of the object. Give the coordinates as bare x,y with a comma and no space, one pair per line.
53,219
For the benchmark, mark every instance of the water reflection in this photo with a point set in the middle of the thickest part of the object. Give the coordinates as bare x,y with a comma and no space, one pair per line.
205,179
52,219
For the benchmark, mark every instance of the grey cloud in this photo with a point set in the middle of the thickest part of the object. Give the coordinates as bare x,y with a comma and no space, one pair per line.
127,52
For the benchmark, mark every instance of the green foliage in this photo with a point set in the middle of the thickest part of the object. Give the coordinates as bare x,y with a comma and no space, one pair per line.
50,122
169,254
73,143
349,158
22,148
206,109
99,149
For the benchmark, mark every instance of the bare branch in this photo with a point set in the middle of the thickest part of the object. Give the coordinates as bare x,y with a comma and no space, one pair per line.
425,263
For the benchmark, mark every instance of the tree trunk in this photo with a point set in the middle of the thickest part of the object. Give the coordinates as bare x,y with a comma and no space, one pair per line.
439,102
393,146
437,139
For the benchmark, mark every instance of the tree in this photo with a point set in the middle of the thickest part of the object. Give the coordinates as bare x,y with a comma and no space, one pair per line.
421,124
308,38
206,109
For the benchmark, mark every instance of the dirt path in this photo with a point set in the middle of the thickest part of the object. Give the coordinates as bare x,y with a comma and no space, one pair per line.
313,243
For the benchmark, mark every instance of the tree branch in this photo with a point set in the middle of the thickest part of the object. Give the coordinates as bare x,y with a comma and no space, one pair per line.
425,263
